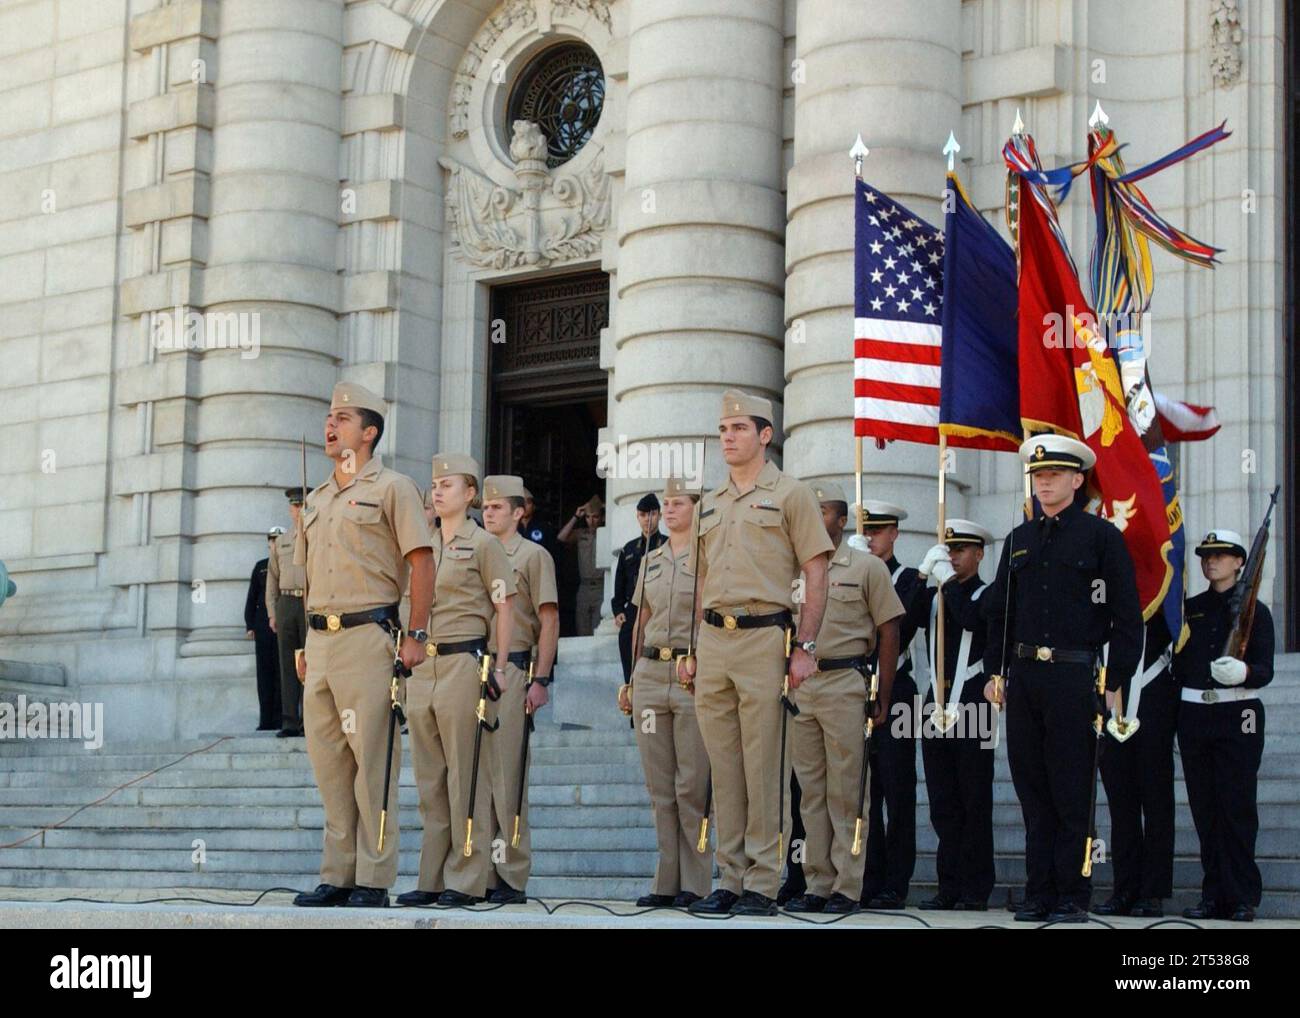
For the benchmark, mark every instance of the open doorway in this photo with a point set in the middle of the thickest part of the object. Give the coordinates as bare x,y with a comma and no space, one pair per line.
547,402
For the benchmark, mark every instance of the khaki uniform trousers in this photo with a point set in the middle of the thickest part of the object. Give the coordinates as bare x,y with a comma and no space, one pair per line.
510,865
676,775
346,708
738,681
586,607
826,739
442,696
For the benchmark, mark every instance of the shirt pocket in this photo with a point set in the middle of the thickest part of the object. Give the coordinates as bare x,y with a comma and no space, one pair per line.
363,513
765,516
844,602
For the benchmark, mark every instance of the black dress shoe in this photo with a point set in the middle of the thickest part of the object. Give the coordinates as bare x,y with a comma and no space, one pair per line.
1116,904
1147,908
417,898
457,898
325,896
1032,911
841,904
655,901
1202,910
887,900
686,899
504,894
805,903
1242,914
753,903
367,897
289,733
971,906
717,903
790,890
1068,912
940,902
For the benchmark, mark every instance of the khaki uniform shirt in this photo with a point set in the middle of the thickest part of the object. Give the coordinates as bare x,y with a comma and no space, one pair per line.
356,539
534,571
665,587
860,597
586,547
281,573
754,542
473,571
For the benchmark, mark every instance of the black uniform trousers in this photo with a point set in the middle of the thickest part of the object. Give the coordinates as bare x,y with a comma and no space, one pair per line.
625,642
891,843
1138,775
1050,747
268,678
959,781
1221,746
291,629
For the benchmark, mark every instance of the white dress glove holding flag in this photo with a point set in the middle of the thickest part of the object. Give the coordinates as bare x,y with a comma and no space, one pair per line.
1228,671
937,553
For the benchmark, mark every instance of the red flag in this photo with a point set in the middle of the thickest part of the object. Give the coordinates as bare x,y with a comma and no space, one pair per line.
1185,422
1069,383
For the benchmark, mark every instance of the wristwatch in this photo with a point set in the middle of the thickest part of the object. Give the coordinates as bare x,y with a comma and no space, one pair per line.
809,646
542,680
418,635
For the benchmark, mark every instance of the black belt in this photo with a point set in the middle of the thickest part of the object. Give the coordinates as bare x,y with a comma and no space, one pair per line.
475,646
782,618
833,664
333,623
520,659
297,593
1055,654
662,653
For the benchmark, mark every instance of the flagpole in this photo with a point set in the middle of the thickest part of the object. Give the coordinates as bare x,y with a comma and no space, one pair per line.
859,152
938,677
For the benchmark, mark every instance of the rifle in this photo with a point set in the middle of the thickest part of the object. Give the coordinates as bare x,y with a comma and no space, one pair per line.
1245,593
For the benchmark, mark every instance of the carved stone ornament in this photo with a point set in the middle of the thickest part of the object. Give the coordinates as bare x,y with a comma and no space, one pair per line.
1225,42
512,13
552,217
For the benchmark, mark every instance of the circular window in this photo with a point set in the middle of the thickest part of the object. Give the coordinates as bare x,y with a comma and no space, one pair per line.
562,90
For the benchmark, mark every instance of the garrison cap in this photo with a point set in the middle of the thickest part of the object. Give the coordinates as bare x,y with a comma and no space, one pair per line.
358,397
595,504
828,491
502,486
677,486
1222,541
744,404
958,532
1055,452
447,463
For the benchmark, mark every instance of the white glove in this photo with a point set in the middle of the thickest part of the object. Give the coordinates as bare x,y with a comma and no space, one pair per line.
936,554
941,573
859,541
1228,671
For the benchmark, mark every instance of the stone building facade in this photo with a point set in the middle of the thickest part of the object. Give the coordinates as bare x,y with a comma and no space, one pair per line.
364,190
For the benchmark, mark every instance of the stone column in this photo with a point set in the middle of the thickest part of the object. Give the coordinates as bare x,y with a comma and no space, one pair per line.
892,72
699,266
271,254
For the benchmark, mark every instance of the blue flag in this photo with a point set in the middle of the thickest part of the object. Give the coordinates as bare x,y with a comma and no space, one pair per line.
979,390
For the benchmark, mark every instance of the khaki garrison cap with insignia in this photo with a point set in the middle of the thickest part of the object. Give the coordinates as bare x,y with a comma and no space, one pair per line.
594,504
829,491
350,395
744,404
957,531
1222,541
1055,452
502,486
675,486
447,463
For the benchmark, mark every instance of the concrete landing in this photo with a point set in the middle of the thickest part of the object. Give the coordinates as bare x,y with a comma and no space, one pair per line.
178,908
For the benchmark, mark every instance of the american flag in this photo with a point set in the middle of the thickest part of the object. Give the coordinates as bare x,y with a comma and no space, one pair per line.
897,323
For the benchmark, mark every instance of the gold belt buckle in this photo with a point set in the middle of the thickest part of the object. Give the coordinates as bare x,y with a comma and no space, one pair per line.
729,621
665,653
1043,653
431,649
333,623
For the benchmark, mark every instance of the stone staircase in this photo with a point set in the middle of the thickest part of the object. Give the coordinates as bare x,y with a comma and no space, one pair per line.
244,814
